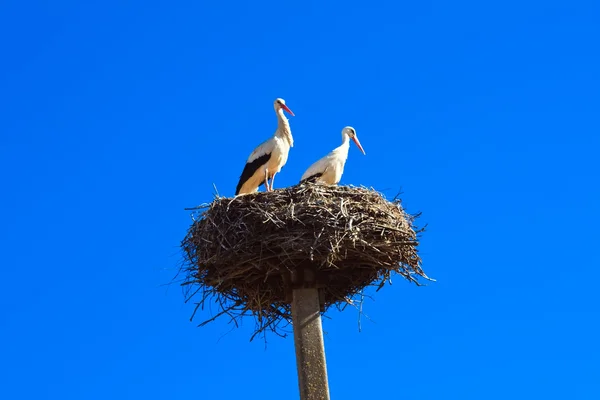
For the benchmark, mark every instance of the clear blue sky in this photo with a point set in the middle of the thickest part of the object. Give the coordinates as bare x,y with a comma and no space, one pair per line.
114,116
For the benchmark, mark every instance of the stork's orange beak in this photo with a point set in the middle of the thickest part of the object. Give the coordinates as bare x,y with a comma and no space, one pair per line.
355,138
286,108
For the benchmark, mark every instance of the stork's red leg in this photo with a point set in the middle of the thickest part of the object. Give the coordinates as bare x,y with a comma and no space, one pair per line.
267,180
273,180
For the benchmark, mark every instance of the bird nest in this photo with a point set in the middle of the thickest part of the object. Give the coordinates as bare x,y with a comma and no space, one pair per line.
249,252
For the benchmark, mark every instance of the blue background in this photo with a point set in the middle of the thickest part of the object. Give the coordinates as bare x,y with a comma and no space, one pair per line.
114,116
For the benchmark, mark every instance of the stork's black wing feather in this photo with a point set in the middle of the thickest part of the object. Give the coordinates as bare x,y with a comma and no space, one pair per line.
249,170
312,178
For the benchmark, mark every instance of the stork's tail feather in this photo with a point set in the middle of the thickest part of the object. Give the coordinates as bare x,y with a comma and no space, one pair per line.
312,178
250,169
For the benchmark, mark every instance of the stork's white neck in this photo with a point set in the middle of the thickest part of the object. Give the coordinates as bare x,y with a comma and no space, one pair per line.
283,128
343,149
345,139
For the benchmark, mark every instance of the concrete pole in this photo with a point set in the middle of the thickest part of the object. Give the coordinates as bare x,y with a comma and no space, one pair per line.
310,348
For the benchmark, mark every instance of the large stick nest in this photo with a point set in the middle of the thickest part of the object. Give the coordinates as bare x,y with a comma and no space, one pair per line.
247,253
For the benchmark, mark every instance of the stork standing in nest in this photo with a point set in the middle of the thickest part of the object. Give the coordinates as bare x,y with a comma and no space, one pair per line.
268,158
329,169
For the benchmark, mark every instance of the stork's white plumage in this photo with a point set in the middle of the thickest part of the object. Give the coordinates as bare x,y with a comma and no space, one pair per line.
329,169
268,158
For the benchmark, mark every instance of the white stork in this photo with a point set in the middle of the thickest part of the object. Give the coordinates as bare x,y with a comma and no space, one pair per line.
329,169
268,158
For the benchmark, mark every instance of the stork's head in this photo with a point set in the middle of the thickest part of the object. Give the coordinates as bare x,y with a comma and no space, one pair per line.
280,104
351,133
